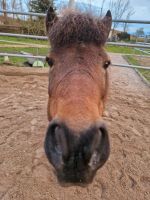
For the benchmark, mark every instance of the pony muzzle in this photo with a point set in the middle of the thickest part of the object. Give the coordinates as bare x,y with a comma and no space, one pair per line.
76,156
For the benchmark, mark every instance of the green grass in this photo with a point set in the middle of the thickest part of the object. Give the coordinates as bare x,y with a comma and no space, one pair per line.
34,51
124,50
44,51
131,60
109,48
19,61
14,60
145,73
24,40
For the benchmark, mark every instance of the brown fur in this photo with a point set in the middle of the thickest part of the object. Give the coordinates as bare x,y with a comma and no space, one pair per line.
77,142
76,27
78,85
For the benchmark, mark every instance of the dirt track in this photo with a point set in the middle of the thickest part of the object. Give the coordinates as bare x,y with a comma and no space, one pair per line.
24,170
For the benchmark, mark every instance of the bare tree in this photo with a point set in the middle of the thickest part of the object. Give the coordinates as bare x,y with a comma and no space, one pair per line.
119,8
139,32
71,3
4,7
15,5
129,14
27,4
88,6
102,7
3,4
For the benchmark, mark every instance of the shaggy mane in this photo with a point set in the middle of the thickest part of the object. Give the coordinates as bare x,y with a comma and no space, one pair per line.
74,27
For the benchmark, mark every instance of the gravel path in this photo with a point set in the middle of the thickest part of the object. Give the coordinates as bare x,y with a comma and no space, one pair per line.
25,172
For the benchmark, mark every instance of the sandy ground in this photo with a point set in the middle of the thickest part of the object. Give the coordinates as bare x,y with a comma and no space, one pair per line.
25,173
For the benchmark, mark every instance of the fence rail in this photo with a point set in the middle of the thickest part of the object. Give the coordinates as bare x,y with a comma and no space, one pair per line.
45,38
143,51
129,45
43,57
24,36
43,15
21,55
23,13
146,46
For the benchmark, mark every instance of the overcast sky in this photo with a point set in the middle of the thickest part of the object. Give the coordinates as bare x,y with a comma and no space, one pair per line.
141,9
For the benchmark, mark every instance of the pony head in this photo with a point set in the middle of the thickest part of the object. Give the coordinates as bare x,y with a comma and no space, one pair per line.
77,142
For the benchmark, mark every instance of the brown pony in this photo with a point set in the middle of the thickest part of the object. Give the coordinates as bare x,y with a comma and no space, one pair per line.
77,142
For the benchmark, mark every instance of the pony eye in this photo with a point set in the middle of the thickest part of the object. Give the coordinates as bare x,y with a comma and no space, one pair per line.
50,61
106,64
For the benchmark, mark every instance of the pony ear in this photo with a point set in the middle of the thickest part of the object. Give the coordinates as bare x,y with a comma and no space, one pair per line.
51,18
107,22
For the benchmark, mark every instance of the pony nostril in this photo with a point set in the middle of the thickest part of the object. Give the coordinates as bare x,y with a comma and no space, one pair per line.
104,146
76,159
104,132
99,147
56,144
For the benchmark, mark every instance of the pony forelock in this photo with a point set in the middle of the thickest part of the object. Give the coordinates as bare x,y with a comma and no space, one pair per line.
74,27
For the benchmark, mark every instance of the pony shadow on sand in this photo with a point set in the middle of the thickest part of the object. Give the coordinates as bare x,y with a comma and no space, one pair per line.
77,142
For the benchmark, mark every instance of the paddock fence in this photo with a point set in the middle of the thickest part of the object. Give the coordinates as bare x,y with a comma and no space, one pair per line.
143,48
